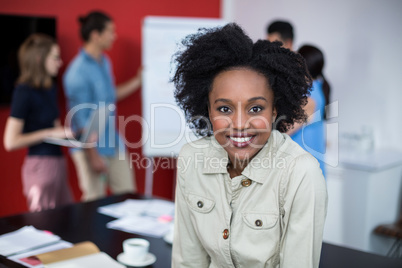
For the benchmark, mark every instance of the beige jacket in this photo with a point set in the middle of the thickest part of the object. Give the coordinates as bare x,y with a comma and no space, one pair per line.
271,216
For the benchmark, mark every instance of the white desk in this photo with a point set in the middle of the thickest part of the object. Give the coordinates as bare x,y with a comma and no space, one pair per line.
364,191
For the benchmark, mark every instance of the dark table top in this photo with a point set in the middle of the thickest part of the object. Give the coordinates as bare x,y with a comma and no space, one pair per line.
81,222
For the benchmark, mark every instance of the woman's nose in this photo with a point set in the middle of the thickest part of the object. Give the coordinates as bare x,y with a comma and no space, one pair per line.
240,120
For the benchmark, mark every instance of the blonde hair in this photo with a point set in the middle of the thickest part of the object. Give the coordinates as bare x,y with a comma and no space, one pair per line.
31,57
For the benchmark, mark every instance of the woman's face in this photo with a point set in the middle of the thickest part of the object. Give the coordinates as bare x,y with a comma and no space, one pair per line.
53,61
241,112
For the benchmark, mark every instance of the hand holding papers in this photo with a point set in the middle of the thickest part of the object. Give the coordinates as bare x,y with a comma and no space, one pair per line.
90,134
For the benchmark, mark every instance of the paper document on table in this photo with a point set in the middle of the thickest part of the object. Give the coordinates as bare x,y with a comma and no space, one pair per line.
150,217
143,225
24,239
128,207
85,254
157,208
133,207
96,260
29,259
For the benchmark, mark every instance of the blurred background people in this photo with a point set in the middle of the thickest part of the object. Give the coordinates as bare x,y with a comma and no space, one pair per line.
35,116
312,135
315,64
89,80
281,31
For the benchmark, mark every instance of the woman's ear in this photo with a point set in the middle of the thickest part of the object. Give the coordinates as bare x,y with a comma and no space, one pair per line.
274,115
209,110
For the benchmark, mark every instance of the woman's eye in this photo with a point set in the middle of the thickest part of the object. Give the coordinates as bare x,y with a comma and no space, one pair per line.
256,109
224,109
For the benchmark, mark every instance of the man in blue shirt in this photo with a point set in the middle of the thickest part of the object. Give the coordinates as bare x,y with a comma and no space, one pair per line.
89,84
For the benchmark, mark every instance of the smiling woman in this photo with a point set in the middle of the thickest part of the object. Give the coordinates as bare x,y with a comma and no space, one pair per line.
242,112
247,195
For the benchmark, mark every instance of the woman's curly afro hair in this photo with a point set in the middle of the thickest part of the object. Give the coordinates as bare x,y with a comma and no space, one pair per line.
211,51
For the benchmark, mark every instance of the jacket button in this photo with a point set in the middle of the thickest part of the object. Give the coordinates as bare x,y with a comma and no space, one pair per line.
200,204
225,234
246,182
258,223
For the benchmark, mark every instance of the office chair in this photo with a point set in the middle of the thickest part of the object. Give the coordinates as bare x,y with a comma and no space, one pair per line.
393,230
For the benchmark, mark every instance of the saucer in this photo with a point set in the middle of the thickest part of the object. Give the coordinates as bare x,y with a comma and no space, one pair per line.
149,259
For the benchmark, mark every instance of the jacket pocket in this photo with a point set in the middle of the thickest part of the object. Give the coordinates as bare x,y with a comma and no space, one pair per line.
199,203
260,220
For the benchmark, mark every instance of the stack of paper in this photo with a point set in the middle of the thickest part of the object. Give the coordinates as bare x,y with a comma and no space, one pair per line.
95,260
85,254
41,249
146,217
28,258
140,225
25,239
21,245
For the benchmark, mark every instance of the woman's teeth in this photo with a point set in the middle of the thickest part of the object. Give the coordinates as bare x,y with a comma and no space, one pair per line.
240,139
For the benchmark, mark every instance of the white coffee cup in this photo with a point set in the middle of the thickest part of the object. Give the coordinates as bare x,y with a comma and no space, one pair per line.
135,249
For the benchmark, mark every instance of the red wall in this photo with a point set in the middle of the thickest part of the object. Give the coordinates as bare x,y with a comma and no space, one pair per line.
126,58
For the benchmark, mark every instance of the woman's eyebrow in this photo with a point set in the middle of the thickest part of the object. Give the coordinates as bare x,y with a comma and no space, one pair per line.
257,98
222,100
249,100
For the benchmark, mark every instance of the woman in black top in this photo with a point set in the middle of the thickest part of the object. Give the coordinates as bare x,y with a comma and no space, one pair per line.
35,116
